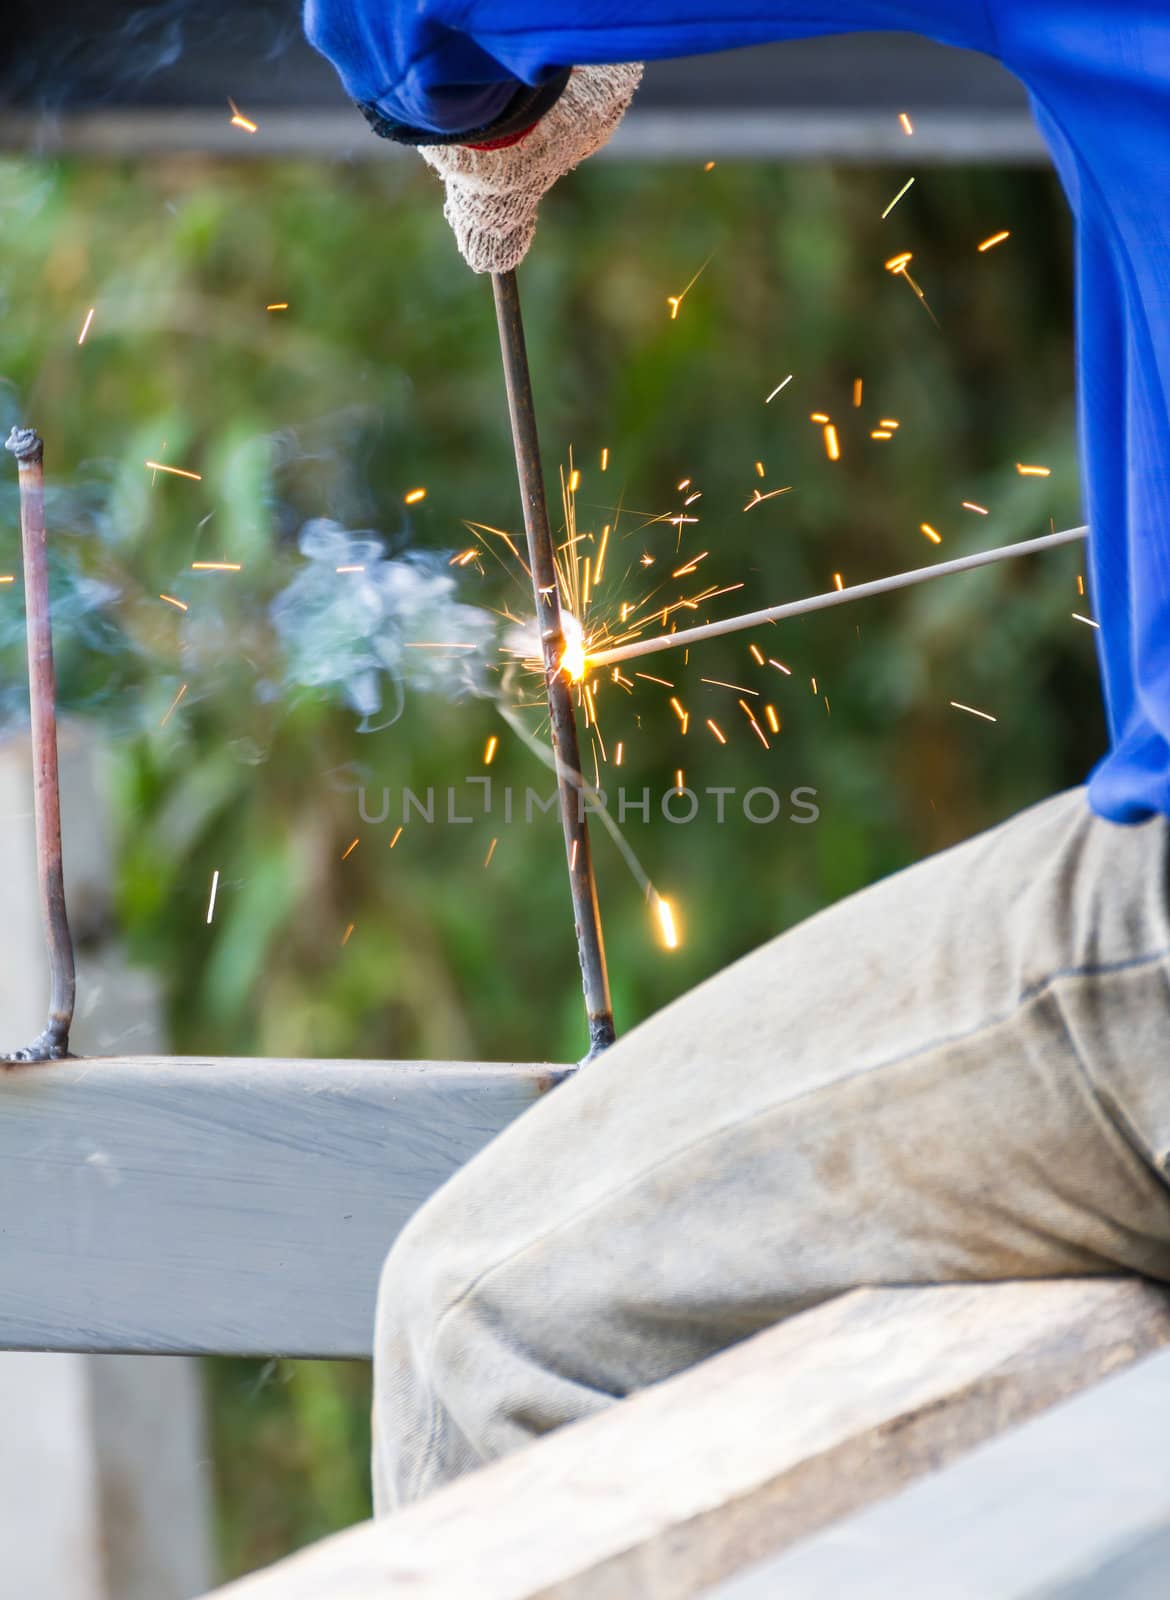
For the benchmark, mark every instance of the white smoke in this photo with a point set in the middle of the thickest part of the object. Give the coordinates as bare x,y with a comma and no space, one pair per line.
360,622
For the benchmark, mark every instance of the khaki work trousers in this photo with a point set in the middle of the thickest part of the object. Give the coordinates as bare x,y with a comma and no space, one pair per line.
962,1072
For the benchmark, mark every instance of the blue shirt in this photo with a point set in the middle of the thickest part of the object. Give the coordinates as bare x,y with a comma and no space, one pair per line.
1098,72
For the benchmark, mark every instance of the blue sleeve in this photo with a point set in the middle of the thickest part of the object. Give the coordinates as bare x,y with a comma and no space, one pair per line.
450,66
1099,75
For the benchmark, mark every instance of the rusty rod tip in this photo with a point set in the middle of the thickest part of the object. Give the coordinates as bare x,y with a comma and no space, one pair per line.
26,444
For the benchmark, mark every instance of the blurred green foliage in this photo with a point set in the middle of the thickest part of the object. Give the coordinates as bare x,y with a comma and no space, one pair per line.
384,374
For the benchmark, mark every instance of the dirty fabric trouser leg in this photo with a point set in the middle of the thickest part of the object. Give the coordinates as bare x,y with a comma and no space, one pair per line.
961,1073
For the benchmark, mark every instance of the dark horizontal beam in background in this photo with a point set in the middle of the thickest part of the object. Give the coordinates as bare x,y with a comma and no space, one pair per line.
115,77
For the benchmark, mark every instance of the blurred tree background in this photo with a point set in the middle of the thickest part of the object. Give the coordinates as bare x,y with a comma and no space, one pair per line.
382,375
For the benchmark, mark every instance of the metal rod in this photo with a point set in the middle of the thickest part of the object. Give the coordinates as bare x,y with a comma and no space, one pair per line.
571,786
835,597
53,1043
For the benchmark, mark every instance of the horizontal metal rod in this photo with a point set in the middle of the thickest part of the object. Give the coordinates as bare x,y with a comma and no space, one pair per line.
835,597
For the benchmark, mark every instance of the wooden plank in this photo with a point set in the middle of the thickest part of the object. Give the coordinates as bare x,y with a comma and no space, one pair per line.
181,1205
1075,1504
696,1478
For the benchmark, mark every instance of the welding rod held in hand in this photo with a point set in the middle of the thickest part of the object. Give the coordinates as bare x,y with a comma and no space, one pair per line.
53,1043
571,788
686,637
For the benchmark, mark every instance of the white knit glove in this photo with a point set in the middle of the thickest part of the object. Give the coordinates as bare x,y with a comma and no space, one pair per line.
492,195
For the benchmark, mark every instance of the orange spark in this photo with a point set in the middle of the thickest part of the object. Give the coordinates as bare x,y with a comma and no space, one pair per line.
397,836
216,566
277,305
666,923
838,581
674,301
996,238
1033,472
935,538
907,125
857,391
715,729
832,443
86,324
773,718
173,706
349,850
177,472
970,505
489,753
605,459
756,729
487,860
171,601
690,566
238,120
413,496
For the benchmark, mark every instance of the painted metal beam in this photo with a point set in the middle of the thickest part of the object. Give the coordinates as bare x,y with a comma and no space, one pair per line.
182,1205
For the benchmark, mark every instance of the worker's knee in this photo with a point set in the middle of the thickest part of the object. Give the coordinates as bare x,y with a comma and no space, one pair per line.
430,1269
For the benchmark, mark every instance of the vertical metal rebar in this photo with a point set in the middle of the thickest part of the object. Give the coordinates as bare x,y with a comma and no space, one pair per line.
53,1043
571,787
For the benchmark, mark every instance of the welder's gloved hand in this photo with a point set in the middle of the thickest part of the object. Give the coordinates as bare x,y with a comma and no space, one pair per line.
493,190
